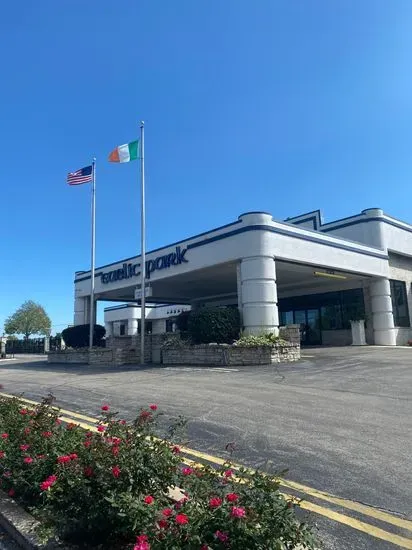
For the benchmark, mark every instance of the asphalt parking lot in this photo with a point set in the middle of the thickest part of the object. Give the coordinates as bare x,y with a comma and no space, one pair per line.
340,421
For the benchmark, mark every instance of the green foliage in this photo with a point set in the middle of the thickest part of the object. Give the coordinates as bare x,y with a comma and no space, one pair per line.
174,341
78,336
104,488
220,325
182,321
30,318
255,341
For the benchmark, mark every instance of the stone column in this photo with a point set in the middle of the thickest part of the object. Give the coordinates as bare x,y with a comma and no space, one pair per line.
382,316
132,327
258,294
81,311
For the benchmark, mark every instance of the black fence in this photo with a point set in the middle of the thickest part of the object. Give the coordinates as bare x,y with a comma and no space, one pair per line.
32,346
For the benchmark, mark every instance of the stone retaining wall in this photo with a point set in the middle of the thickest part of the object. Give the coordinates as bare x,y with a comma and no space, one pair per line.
82,356
215,354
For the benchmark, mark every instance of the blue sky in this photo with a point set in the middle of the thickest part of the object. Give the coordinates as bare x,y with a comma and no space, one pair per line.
272,105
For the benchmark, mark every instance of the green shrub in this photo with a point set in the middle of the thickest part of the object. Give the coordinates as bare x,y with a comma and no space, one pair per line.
220,325
265,339
104,488
78,336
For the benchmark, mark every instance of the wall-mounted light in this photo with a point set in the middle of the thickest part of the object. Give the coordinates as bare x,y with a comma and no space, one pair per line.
329,274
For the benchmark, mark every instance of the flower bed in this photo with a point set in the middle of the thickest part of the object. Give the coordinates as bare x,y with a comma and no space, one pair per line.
111,487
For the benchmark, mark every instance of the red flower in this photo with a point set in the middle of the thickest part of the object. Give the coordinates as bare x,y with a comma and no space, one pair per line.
215,502
47,434
228,473
182,519
28,460
63,459
180,503
58,421
101,429
223,537
4,436
87,444
12,492
23,411
89,434
187,471
153,406
116,471
122,422
176,450
116,440
41,456
105,408
73,456
232,497
167,512
238,512
149,499
71,426
26,431
2,453
51,480
88,471
163,523
115,451
144,415
24,447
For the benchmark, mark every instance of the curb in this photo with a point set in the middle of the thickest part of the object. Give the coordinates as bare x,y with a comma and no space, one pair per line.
19,524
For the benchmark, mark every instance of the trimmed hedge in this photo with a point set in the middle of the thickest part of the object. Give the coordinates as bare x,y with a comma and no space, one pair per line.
219,325
78,336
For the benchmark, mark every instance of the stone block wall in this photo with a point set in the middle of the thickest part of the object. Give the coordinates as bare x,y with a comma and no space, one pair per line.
215,354
100,356
291,333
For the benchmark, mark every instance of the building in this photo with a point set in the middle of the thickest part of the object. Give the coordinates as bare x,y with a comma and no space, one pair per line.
279,272
124,319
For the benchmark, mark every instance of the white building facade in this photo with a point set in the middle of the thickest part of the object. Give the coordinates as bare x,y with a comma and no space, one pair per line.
276,272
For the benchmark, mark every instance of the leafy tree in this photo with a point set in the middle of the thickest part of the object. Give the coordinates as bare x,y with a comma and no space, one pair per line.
30,318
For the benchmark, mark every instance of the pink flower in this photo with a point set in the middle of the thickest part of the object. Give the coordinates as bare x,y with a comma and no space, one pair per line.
63,459
88,471
116,440
149,499
23,411
52,479
4,436
105,408
187,471
228,473
58,421
27,431
176,450
223,537
182,519
142,543
232,497
167,512
153,406
180,503
41,456
73,456
12,492
47,434
215,502
115,451
89,434
122,422
45,485
2,453
24,447
116,471
238,512
87,444
28,460
101,429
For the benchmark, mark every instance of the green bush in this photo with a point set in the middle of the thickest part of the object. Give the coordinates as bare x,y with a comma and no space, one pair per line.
255,341
220,325
103,488
78,336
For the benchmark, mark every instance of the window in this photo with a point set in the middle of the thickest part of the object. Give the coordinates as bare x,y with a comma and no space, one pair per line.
399,304
122,329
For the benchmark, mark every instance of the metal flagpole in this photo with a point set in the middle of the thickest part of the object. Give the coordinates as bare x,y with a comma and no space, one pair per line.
91,320
143,245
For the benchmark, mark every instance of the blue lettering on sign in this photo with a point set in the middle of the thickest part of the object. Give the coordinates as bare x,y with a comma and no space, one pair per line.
131,270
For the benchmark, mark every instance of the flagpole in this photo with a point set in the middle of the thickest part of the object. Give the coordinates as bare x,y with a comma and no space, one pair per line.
93,246
143,245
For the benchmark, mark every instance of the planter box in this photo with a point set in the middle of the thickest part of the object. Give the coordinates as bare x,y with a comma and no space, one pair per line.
223,354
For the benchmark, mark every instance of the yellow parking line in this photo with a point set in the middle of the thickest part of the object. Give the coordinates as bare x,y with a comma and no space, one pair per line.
376,532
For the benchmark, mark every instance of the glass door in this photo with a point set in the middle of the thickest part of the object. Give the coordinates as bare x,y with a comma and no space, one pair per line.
309,321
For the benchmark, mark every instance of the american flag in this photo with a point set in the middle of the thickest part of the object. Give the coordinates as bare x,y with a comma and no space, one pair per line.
84,175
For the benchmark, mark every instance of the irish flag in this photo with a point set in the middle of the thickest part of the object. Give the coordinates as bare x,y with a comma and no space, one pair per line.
125,153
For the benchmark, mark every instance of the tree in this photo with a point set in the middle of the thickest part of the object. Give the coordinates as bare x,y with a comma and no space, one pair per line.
30,318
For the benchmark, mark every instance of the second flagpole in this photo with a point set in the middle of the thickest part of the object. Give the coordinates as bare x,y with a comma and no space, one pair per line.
143,246
93,256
